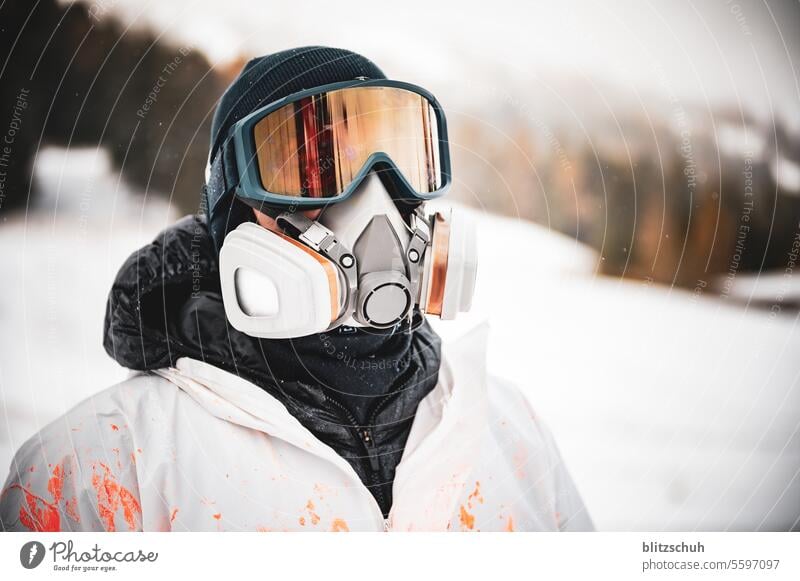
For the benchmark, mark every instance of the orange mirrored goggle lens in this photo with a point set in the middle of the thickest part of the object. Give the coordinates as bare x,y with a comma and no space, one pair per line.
315,147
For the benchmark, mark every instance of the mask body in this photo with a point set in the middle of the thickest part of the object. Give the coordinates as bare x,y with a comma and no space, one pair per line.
361,263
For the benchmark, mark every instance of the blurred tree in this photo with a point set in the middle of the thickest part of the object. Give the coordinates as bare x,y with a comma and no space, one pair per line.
90,82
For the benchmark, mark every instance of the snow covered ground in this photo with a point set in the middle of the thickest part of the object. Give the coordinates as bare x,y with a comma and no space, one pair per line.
673,411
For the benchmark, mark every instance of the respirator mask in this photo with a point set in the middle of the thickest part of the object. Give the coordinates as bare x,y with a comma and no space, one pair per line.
367,156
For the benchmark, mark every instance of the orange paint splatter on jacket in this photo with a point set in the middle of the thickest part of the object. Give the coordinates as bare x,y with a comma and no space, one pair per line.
71,508
467,519
475,495
339,526
111,496
311,514
37,514
119,460
55,486
321,490
172,515
115,427
302,521
510,525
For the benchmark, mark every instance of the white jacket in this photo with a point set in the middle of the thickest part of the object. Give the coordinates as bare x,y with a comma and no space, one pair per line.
196,448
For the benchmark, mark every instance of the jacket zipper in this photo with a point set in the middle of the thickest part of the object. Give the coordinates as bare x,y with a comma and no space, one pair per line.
375,475
369,445
368,442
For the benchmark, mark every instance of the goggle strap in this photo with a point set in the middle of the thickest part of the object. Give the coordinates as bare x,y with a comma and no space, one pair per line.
223,177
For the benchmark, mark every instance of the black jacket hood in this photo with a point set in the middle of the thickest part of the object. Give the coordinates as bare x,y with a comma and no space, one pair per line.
355,390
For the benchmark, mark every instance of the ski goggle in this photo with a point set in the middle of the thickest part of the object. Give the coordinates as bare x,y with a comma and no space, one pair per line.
314,147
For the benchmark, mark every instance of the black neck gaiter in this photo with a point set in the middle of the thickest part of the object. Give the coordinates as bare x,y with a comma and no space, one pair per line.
357,367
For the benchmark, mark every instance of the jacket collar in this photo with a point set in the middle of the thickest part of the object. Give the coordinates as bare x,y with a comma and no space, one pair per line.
440,446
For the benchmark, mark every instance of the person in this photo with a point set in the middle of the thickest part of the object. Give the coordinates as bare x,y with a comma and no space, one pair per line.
284,374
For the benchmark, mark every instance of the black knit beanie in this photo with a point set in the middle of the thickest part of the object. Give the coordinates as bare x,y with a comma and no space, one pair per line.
264,80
